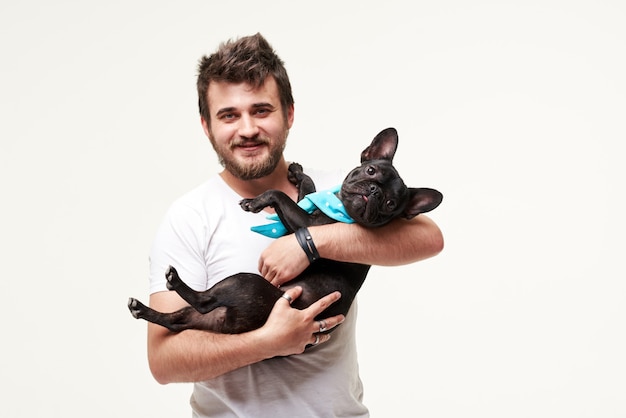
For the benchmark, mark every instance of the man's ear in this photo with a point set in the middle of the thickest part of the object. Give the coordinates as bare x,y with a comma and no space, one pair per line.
205,127
290,116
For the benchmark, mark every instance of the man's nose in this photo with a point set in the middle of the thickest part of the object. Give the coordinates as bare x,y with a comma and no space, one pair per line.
248,127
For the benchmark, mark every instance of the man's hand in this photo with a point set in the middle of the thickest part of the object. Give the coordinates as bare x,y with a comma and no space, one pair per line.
290,330
282,260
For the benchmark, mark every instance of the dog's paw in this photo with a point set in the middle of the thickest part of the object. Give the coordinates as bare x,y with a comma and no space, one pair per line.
245,204
294,175
249,205
135,307
171,275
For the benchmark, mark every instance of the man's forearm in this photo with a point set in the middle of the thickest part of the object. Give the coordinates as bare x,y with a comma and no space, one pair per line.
186,356
192,355
398,243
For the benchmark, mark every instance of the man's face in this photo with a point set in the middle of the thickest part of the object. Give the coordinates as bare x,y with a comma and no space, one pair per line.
248,129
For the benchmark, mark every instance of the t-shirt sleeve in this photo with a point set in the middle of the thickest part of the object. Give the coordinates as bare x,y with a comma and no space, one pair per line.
178,243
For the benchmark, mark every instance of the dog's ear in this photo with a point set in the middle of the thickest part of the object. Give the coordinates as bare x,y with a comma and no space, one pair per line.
383,146
421,200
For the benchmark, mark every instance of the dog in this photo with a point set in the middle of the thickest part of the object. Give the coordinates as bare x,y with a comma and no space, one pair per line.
372,194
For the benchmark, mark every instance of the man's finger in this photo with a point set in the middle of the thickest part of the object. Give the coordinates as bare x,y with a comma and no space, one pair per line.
320,305
291,294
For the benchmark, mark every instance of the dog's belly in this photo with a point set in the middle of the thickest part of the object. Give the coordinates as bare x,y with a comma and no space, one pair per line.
325,277
249,298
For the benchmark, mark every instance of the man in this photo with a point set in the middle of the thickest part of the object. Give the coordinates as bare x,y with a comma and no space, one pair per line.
246,110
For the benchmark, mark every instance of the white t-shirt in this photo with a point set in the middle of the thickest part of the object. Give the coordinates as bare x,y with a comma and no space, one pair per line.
206,236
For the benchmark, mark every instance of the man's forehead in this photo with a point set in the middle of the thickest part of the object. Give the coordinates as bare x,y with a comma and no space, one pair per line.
227,94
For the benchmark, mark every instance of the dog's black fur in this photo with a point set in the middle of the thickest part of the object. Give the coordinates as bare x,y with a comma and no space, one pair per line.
373,194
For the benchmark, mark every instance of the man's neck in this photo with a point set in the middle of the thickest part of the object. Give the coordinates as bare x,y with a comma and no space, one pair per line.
251,188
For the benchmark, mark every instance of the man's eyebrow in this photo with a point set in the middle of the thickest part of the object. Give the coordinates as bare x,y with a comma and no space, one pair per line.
254,106
264,104
224,110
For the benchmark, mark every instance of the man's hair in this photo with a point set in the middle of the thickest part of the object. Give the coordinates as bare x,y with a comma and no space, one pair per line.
249,59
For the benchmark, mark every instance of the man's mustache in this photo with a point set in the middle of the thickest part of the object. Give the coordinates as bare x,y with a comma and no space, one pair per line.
249,142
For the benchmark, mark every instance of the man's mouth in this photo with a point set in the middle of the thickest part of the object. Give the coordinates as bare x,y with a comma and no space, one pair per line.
249,142
249,146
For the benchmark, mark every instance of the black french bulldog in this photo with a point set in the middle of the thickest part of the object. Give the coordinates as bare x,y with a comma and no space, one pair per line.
373,194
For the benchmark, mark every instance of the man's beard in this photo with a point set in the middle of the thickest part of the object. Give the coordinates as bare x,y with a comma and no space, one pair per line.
256,169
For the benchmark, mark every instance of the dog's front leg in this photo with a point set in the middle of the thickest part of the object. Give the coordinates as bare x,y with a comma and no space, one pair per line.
291,215
302,181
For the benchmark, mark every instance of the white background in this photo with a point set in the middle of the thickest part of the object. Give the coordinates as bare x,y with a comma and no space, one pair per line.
515,110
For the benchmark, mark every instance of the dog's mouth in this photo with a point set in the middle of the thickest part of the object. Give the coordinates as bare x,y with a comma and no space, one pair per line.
369,205
361,205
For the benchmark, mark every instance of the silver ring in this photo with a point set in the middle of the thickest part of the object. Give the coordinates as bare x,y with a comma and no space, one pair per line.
322,325
286,296
317,339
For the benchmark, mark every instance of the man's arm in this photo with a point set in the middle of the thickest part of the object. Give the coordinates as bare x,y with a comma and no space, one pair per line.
192,355
397,243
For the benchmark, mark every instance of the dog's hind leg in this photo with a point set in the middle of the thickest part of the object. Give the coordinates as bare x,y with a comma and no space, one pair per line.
180,320
203,302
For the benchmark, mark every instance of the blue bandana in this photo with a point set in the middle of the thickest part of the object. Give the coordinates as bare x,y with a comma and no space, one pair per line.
326,201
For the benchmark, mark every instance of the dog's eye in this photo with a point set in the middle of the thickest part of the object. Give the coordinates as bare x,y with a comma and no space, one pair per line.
391,204
370,170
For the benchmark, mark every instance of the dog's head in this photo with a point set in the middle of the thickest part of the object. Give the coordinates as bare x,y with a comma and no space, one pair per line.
374,194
